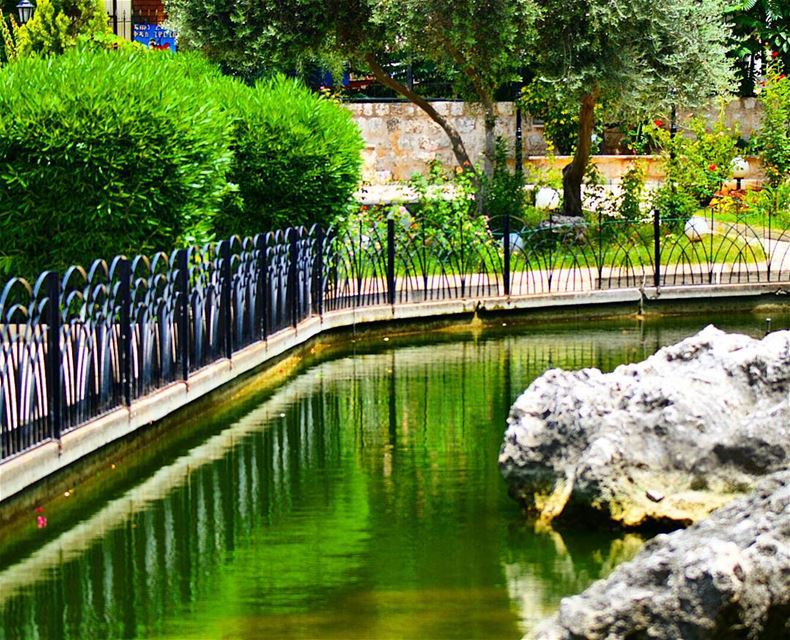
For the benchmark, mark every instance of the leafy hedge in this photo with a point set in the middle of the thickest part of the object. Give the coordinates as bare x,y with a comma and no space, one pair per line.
103,153
111,152
296,157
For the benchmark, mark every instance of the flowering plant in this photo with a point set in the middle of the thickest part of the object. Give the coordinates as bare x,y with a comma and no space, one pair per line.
696,163
772,140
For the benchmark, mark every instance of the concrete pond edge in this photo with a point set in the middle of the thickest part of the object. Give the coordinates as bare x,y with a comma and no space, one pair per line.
26,469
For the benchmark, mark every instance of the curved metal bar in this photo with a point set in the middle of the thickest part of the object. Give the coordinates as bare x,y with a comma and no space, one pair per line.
77,346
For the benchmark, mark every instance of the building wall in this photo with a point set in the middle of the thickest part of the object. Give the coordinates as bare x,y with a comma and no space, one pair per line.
400,139
120,13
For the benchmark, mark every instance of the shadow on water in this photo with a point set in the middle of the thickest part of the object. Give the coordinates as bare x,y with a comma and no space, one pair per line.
360,499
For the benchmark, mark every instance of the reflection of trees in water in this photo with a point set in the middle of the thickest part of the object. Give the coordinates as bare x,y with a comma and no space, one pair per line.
352,463
578,560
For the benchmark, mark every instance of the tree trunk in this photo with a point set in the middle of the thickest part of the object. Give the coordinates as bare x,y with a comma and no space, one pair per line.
461,156
573,173
489,157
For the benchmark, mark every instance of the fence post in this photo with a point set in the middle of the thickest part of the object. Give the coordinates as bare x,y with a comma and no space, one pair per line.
390,260
182,285
263,285
54,356
226,320
318,271
657,248
600,258
125,294
293,293
506,247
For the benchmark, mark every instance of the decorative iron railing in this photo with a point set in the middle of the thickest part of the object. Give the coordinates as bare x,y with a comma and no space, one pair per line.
77,345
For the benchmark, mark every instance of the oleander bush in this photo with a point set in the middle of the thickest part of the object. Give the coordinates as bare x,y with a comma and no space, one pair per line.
296,157
105,153
128,152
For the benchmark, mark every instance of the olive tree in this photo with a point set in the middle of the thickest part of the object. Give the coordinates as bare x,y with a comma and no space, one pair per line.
478,44
641,56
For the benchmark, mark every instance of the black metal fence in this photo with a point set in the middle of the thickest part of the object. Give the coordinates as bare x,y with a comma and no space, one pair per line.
76,345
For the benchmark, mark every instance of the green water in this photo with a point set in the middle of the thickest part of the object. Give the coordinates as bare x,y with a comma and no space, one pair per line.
361,499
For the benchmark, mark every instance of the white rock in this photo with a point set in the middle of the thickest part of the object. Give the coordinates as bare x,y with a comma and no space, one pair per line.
547,198
696,228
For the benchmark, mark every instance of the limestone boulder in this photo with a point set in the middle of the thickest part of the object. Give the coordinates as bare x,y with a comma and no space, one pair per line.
727,577
661,443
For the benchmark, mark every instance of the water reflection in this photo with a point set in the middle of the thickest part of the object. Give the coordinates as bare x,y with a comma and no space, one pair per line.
360,500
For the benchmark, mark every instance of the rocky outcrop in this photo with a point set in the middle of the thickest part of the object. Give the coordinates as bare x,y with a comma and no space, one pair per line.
726,577
659,443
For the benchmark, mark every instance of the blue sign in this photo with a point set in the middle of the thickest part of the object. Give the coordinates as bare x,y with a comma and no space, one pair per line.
155,36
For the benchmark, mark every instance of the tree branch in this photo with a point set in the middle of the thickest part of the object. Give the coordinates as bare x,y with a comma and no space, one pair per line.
387,80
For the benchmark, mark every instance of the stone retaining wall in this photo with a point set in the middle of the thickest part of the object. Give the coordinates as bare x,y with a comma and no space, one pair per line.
400,139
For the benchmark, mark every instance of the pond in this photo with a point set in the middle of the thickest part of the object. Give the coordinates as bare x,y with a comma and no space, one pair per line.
360,499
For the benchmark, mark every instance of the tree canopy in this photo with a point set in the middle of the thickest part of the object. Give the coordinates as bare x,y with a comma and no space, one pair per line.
759,27
641,56
478,44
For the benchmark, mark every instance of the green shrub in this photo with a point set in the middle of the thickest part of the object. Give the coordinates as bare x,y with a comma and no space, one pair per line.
445,214
297,157
772,140
633,186
696,163
57,24
771,204
8,31
504,193
103,153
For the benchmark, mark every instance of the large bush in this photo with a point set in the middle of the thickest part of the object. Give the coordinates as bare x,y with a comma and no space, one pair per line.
772,140
104,153
697,162
296,157
56,26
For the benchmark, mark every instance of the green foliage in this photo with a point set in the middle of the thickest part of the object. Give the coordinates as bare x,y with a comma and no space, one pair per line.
696,163
633,191
771,203
296,157
505,193
772,140
478,44
105,153
641,55
760,30
8,29
8,32
444,213
57,25
559,111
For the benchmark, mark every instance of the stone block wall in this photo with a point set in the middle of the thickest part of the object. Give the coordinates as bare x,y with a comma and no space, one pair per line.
401,140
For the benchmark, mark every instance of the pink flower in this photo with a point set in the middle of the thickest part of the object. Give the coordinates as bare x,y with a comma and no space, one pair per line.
41,522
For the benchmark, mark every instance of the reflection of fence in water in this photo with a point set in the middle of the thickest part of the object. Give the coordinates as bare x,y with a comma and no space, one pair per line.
203,503
75,347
